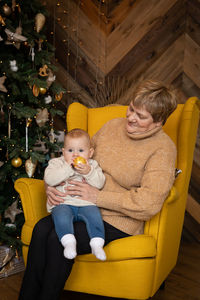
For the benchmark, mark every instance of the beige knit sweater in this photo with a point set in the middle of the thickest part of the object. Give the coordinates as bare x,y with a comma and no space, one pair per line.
139,170
59,171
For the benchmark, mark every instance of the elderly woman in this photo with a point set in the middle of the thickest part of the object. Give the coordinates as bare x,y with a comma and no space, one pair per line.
138,160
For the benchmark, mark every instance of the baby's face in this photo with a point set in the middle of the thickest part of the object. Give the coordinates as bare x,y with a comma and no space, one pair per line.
75,147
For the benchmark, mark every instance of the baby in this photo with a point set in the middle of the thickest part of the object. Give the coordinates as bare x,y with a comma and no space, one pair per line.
77,143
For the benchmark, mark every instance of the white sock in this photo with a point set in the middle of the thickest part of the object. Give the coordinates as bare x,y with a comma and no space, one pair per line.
69,243
96,245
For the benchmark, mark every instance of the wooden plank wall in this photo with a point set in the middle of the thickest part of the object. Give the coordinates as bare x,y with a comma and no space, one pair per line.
104,47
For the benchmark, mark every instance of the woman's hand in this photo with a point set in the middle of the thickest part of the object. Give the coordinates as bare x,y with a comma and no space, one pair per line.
53,195
83,190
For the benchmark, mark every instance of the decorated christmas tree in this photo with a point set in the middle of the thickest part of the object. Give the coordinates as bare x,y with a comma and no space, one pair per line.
28,104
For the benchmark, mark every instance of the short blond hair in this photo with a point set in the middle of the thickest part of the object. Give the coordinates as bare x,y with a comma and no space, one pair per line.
158,99
78,133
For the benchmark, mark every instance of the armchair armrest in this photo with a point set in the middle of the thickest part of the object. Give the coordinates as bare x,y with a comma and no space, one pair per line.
33,198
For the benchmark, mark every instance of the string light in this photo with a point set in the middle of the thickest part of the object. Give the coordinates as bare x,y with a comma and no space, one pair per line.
70,23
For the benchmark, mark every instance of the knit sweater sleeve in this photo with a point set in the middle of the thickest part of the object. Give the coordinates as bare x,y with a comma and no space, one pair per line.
146,200
57,171
95,177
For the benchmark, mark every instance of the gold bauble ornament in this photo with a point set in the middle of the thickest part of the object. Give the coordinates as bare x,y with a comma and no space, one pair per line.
39,21
59,96
6,9
79,160
36,90
16,162
42,90
30,167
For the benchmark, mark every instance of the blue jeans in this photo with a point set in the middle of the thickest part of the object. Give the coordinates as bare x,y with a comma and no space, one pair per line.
65,215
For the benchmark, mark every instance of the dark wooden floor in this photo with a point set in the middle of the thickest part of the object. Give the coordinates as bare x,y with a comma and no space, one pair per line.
182,284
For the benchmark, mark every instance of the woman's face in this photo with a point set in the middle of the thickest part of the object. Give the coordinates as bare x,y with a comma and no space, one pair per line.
139,120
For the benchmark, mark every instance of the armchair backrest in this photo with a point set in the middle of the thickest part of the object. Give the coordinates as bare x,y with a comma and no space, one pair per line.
92,119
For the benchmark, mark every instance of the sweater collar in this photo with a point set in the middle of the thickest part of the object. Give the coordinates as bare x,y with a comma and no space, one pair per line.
143,135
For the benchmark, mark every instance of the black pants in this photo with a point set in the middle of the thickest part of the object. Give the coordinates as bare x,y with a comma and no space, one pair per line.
47,268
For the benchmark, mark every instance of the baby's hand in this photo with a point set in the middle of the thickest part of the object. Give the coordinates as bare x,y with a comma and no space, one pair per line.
83,168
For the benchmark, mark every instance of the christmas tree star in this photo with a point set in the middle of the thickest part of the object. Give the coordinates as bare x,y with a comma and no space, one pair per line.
12,211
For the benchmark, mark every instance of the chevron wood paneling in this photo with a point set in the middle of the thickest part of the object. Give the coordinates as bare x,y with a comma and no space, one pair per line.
105,47
192,59
150,47
140,20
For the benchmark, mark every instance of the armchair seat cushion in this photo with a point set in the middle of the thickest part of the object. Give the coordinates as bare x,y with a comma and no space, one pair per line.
139,246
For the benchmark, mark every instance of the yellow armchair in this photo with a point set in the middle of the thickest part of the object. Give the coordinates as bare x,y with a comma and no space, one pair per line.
136,266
